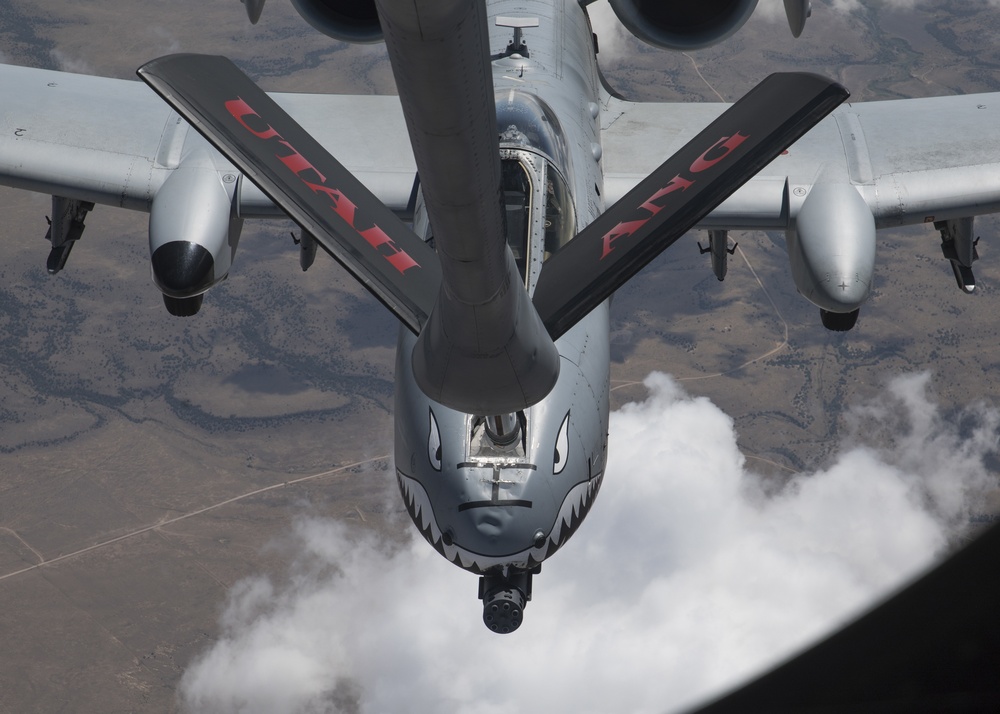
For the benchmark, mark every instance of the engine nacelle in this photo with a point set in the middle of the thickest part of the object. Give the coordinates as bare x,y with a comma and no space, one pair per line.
683,24
193,233
832,248
345,20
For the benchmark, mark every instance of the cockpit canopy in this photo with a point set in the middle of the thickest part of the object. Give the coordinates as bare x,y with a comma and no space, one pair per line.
539,208
526,122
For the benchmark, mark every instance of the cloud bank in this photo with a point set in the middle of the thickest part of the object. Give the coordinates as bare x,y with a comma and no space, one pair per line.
687,577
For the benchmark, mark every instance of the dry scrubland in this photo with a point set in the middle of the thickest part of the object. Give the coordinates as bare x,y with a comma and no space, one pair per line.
116,417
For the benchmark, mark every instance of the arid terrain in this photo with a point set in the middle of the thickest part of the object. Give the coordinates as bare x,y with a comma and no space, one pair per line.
146,462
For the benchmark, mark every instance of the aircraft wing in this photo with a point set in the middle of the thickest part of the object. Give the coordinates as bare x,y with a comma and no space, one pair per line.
114,142
912,160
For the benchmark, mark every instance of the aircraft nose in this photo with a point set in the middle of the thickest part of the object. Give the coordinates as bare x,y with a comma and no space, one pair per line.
493,510
491,522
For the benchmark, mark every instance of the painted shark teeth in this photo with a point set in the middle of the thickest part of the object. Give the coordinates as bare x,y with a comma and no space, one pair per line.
574,509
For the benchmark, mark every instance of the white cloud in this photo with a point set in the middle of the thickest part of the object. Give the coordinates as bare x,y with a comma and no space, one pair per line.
685,578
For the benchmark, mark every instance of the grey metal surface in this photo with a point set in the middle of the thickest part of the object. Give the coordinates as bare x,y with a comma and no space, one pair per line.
832,249
484,350
57,136
196,204
487,508
439,54
911,159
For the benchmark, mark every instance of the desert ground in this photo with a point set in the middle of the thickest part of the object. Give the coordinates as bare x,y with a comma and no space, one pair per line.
146,463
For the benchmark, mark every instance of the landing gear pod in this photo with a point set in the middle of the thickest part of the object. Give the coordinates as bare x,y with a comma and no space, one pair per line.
839,321
193,233
832,252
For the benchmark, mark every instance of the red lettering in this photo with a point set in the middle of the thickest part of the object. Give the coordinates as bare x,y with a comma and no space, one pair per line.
341,204
297,163
619,231
718,151
240,109
399,259
402,261
627,228
676,184
374,236
729,143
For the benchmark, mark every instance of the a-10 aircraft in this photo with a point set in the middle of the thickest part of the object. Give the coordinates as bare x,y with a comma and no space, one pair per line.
494,207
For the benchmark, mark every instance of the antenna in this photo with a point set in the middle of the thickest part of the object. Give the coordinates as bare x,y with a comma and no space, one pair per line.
517,45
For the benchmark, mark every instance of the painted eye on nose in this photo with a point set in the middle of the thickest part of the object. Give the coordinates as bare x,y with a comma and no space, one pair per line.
561,455
434,443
